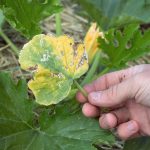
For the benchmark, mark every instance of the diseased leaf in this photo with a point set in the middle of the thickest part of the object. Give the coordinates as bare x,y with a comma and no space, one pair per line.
112,13
25,15
61,57
45,87
58,54
64,130
123,45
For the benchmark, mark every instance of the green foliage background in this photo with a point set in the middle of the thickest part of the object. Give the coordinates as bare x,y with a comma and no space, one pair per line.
25,15
21,128
114,13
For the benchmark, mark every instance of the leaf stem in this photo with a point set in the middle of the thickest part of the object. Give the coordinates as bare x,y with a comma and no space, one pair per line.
92,69
58,22
102,72
9,42
80,88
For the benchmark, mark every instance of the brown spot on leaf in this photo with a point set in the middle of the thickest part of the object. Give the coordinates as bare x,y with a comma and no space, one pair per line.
33,68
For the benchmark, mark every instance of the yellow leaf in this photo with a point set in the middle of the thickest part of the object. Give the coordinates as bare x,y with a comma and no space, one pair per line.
59,54
56,62
49,88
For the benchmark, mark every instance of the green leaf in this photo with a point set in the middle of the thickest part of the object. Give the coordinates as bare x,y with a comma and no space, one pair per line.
112,13
25,15
1,18
64,130
123,45
16,109
57,57
142,143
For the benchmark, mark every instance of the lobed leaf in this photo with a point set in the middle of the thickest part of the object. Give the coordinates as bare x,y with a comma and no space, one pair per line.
63,130
123,45
15,107
25,15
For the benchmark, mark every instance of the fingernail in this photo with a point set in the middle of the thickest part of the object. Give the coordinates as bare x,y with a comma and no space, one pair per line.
95,96
131,127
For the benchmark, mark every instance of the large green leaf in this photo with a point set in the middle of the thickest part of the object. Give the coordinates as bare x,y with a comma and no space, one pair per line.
56,61
66,129
110,13
25,15
15,108
123,45
142,143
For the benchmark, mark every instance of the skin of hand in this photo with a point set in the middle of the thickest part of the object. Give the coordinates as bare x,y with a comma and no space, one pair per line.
126,93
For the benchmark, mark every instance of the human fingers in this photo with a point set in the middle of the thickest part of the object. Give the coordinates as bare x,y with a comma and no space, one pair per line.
128,129
110,79
90,110
114,118
88,88
114,95
108,121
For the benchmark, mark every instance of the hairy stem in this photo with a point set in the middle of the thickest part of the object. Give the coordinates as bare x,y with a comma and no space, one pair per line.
92,70
106,70
9,42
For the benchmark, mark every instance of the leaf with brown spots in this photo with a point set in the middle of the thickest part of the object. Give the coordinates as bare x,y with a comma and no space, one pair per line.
55,55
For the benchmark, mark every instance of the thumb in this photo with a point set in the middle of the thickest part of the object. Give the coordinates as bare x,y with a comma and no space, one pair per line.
114,95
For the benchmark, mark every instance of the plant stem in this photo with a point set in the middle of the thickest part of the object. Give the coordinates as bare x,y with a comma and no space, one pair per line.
9,42
80,88
58,22
92,69
102,72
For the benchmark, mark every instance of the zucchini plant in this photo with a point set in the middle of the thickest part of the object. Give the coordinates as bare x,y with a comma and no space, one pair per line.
52,118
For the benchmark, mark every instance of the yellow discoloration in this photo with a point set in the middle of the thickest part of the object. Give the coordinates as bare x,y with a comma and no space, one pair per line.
68,58
56,62
65,50
49,88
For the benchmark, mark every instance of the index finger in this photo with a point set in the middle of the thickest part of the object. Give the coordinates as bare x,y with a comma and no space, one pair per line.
110,79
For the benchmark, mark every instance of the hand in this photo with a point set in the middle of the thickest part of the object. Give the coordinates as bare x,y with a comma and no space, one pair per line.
127,95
